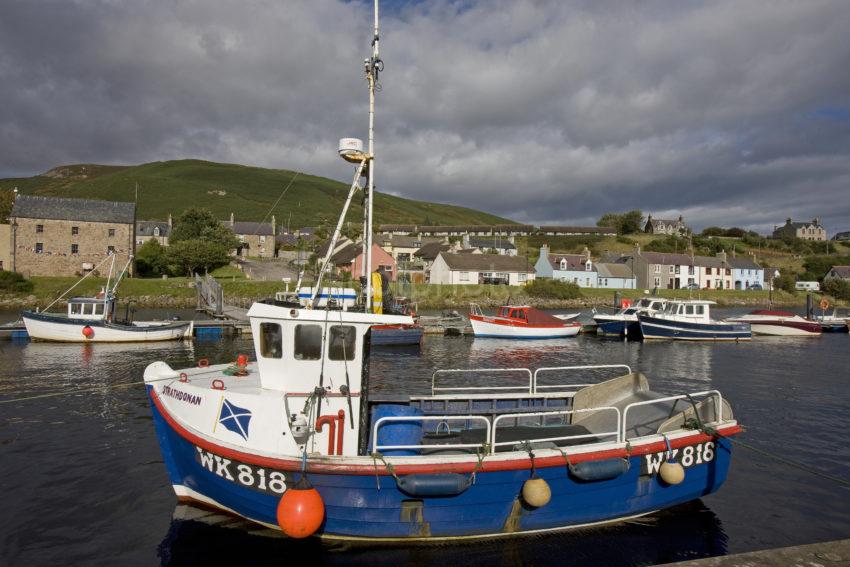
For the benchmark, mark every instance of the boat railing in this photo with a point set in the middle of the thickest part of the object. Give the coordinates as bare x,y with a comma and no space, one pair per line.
434,388
439,418
615,434
537,387
718,397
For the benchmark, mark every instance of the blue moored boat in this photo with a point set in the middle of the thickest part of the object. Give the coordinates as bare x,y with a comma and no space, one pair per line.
298,440
690,320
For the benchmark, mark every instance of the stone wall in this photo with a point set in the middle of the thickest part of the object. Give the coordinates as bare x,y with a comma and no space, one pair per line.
5,247
57,257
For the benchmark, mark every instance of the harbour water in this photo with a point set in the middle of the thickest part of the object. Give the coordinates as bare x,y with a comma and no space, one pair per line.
84,483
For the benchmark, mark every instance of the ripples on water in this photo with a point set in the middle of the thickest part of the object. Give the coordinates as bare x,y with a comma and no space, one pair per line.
83,480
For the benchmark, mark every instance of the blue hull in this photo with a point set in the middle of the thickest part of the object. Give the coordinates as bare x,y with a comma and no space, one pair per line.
412,336
369,504
619,329
658,328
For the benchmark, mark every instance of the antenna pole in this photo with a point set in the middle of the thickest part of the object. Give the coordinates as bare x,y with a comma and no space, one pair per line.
373,66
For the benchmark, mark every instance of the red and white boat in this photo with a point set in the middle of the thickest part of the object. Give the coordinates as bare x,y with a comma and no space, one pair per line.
779,323
520,322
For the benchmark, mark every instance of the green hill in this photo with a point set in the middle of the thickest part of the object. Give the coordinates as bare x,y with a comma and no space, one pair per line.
248,192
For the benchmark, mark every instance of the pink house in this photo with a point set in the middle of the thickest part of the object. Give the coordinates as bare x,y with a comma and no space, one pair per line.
351,258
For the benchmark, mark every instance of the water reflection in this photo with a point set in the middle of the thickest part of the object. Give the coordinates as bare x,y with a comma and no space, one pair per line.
689,531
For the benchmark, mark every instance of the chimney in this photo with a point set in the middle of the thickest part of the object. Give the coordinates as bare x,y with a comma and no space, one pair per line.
466,240
231,219
274,226
816,221
788,221
544,250
637,249
722,255
586,253
169,220
681,219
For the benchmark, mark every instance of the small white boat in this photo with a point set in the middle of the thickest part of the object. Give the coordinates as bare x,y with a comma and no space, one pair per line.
520,322
837,321
624,323
92,320
566,316
779,324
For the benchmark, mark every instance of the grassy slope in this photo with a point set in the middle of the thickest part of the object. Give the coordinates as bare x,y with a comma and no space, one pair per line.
172,186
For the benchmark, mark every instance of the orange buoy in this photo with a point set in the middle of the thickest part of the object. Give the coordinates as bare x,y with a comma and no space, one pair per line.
300,510
88,332
242,360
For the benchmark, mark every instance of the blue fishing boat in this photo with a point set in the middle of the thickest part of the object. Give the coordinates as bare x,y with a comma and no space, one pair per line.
297,439
624,323
690,320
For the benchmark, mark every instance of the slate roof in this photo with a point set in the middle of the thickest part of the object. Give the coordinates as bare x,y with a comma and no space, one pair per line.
488,263
842,235
432,250
146,228
252,228
667,258
61,208
347,254
579,229
841,271
494,243
743,264
397,228
575,262
402,241
608,270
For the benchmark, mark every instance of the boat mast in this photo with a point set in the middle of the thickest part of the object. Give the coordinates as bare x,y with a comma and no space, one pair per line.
373,66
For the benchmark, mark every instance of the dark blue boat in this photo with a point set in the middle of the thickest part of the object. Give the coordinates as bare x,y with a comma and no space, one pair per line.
690,320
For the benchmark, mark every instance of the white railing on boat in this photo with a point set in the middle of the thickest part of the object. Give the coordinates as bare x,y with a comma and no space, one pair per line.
440,418
718,406
434,388
532,388
561,368
616,433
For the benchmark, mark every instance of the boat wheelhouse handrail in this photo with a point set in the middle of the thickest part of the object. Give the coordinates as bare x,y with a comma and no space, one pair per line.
616,433
434,387
716,393
440,418
536,387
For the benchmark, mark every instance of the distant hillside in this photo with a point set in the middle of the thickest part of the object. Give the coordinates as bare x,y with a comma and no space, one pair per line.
249,192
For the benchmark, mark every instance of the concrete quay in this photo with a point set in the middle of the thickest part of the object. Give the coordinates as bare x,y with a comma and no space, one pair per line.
826,554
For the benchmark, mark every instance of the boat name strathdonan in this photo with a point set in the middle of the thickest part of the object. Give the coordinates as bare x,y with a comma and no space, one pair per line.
182,396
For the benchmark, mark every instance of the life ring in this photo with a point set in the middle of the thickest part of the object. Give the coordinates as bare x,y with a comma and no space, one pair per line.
824,304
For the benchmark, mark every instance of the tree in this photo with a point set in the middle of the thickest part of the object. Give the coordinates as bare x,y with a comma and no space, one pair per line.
624,223
7,199
201,224
151,259
190,256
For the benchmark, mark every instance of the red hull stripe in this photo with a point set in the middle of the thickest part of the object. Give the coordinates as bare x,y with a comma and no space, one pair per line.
294,464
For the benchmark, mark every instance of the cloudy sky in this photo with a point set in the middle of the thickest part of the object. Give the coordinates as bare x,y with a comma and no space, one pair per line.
730,112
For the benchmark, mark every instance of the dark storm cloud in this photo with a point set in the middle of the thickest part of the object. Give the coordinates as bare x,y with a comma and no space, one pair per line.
732,113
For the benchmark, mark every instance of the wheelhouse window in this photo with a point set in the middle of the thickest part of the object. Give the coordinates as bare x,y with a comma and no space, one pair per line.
75,308
271,340
308,342
342,342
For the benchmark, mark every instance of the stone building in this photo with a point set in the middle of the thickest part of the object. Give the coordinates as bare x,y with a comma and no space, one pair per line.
5,247
664,226
153,230
52,236
802,230
257,239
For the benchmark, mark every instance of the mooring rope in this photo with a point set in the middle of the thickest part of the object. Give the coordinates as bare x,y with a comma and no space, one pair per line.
85,390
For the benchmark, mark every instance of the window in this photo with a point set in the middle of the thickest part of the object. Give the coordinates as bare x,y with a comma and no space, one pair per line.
271,340
672,269
75,230
690,270
700,309
156,231
39,228
96,309
75,309
522,277
563,264
342,342
308,342
464,276
657,268
75,248
708,271
111,232
1,264
657,282
588,265
689,310
39,247
110,250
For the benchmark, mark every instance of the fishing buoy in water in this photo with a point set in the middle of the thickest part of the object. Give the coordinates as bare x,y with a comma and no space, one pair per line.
88,332
301,510
536,492
672,472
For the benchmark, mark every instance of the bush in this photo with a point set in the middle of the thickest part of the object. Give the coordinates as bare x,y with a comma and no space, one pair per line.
837,288
14,282
786,281
151,259
625,240
553,289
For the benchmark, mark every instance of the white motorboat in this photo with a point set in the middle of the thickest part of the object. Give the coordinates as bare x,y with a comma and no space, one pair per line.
779,323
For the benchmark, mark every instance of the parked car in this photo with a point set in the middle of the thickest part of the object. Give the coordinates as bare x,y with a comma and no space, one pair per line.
693,285
755,287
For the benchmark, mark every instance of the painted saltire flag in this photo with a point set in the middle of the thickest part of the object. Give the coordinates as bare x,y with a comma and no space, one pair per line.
235,419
